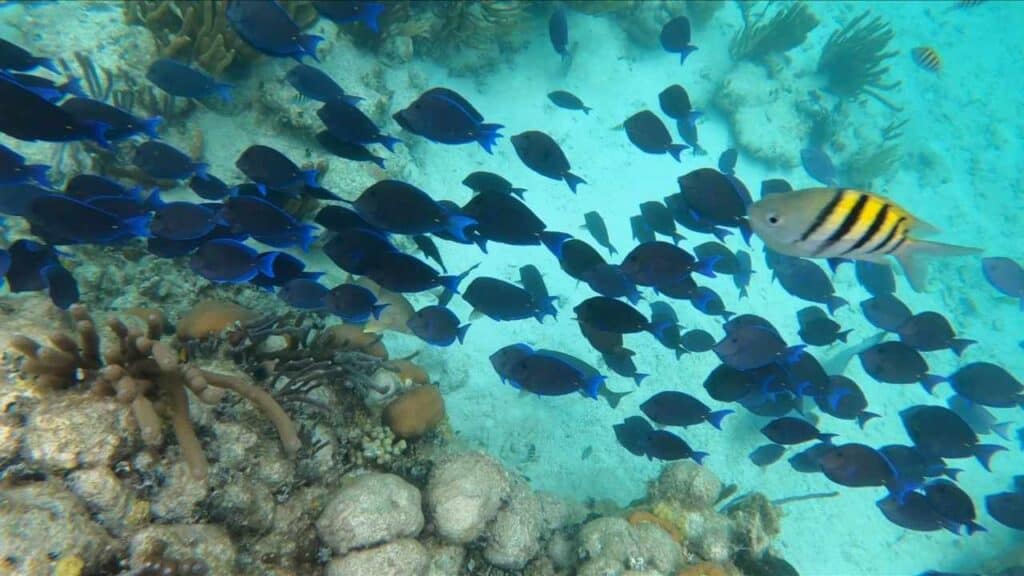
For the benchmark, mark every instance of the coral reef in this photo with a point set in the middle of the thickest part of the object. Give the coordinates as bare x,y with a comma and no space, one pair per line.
415,412
853,59
759,39
874,158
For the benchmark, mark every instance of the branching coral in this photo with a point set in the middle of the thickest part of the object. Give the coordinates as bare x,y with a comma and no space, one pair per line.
853,59
146,374
787,29
874,160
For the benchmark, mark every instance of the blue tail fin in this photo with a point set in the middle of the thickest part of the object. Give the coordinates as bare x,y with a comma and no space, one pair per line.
307,235
692,116
721,233
698,457
834,303
388,141
841,336
638,377
973,527
827,438
707,267
377,309
38,172
460,332
864,416
308,44
371,11
201,169
488,135
48,64
309,177
573,181
518,192
456,225
930,381
138,226
1002,429
149,127
715,418
674,150
961,344
686,51
265,264
223,91
592,385
984,453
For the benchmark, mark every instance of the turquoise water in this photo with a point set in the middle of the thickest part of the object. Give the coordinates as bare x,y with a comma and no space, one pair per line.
958,168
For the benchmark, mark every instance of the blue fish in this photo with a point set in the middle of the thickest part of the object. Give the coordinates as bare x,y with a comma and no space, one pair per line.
60,285
165,162
558,32
349,124
354,11
664,445
315,84
123,207
444,116
226,261
266,223
506,357
15,199
356,250
632,434
264,165
164,248
400,272
86,186
266,26
437,325
66,220
180,80
49,89
303,293
609,280
211,187
353,303
727,161
179,220
621,362
818,165
286,267
27,260
548,375
347,150
25,115
400,208
121,124
14,57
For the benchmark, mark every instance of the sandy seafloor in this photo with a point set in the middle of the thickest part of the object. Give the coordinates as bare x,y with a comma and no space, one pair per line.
968,117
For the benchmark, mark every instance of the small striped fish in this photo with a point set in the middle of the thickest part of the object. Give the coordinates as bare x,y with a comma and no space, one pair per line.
927,58
846,223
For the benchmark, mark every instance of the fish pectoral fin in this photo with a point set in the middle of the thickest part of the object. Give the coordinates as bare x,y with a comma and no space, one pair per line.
913,253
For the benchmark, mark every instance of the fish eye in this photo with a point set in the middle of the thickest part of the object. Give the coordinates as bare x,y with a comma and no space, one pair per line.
773,219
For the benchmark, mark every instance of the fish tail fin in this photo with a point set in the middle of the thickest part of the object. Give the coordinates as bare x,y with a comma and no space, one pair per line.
726,314
262,189
138,227
743,294
460,332
715,418
842,336
706,267
98,133
686,51
745,230
307,235
388,142
265,264
952,473
223,91
586,110
38,172
864,416
74,86
309,177
378,161
961,344
451,283
827,437
677,237
984,453
930,381
308,44
793,354
675,150
456,224
611,250
371,11
201,169
834,263
680,351
518,192
973,527
488,135
573,181
912,254
592,385
48,64
699,457
1002,429
835,303
692,116
154,200
639,377
351,100
150,125
377,309
721,233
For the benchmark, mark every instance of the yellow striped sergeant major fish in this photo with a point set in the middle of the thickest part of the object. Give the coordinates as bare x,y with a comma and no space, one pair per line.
848,223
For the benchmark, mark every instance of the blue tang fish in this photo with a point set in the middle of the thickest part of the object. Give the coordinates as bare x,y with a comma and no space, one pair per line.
266,26
180,80
227,261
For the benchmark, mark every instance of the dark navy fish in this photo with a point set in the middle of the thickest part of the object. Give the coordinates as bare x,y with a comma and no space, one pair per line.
264,165
611,315
1005,275
568,100
575,256
548,375
885,312
856,465
401,208
690,219
727,161
775,186
818,165
632,434
979,418
806,280
429,249
727,384
544,156
355,249
602,341
620,361
988,384
226,261
164,248
353,303
351,11
697,341
715,200
558,31
876,278
930,331
13,169
179,220
675,37
953,504
809,460
347,150
648,133
533,282
123,207
286,268
480,182
897,363
788,430
348,124
750,346
60,286
672,408
266,26
911,467
722,260
303,293
675,103
596,226
641,231
913,512
659,219
668,332
165,162
500,300
25,115
502,218
65,220
178,79
707,301
266,223
437,325
211,187
1007,508
609,280
508,356
120,123
86,186
659,264
767,454
748,320
315,84
589,372
444,116
49,89
817,329
745,268
664,445
938,431
399,272
14,57
843,399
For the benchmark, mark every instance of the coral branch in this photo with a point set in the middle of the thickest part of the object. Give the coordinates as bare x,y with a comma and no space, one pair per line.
787,29
852,60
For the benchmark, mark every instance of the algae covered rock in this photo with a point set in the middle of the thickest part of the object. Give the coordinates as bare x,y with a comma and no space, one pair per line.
72,430
687,483
464,493
514,536
202,545
403,557
371,509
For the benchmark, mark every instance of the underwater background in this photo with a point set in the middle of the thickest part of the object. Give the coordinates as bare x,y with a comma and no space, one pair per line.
89,489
